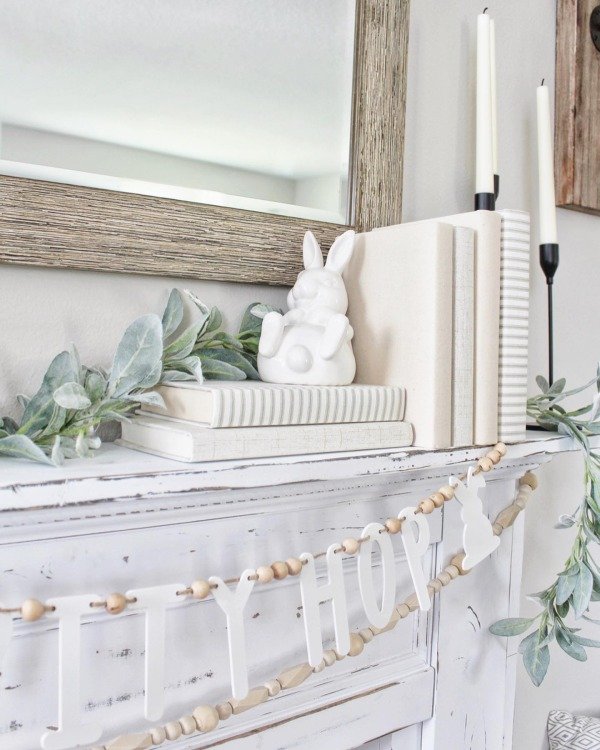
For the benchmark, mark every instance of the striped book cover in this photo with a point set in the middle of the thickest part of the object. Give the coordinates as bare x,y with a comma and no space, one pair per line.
251,403
514,325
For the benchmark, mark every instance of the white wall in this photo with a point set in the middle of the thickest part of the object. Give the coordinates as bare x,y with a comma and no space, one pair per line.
42,311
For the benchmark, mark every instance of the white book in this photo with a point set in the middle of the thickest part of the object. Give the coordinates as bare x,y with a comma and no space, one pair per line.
399,284
190,441
250,403
514,325
463,352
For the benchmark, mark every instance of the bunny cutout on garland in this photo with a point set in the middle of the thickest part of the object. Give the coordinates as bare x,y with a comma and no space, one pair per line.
312,343
479,539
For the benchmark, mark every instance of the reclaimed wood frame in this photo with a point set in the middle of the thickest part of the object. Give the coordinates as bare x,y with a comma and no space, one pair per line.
577,118
69,226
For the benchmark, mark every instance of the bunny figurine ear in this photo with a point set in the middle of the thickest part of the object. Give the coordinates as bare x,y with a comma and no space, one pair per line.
311,252
341,251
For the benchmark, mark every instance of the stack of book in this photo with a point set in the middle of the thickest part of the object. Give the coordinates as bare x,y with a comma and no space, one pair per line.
441,306
216,420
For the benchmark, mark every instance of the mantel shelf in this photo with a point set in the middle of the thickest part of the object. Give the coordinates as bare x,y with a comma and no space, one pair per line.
118,473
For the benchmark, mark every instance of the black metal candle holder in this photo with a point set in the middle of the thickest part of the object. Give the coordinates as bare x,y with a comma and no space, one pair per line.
549,262
485,202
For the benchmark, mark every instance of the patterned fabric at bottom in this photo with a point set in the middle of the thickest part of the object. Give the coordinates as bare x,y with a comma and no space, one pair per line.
569,732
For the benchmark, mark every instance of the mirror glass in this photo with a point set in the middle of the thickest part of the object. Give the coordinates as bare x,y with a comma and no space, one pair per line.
242,103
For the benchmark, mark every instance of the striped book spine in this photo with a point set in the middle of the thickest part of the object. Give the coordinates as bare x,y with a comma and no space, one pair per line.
514,325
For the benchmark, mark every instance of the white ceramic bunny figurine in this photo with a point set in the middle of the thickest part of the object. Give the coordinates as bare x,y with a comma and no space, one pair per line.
311,343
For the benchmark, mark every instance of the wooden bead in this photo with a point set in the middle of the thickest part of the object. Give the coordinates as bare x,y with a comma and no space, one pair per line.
200,589
350,546
494,456
403,610
173,730
188,724
294,566
497,529
141,741
329,657
265,574
412,602
115,603
224,711
206,718
393,525
457,561
452,571
501,448
393,621
357,645
485,464
437,499
273,687
158,735
255,696
436,585
427,506
338,656
529,479
320,667
447,491
508,516
366,634
280,570
444,577
32,610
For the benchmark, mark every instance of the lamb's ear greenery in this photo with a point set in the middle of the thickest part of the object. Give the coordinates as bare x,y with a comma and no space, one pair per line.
59,421
578,583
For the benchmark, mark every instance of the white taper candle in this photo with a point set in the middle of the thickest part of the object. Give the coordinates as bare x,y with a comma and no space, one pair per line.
484,174
548,233
493,95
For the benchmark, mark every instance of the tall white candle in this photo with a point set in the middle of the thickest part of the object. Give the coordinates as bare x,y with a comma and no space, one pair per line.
548,232
493,95
484,173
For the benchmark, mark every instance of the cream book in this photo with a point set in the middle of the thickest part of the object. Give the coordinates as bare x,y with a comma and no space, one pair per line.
514,325
250,403
399,285
463,351
190,441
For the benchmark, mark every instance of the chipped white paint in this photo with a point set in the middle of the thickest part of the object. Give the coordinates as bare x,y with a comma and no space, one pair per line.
233,602
314,595
415,538
479,539
6,631
377,615
128,520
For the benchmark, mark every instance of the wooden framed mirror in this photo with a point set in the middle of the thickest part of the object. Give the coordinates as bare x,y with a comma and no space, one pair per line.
55,218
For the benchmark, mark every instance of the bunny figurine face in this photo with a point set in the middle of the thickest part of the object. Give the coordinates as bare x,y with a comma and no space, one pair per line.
321,285
312,343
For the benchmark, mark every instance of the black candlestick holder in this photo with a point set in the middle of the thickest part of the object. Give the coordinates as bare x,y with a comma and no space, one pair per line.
485,202
549,263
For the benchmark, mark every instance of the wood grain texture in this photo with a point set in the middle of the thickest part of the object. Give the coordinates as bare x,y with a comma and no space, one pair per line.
577,104
58,225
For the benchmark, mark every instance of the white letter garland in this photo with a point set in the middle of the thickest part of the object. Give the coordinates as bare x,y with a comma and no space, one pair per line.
415,546
153,601
233,603
479,539
313,596
377,616
71,731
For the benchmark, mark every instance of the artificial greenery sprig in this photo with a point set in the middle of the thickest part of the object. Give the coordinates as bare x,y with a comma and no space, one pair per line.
60,420
578,583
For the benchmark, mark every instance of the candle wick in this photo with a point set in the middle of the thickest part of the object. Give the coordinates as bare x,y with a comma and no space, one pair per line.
542,83
485,10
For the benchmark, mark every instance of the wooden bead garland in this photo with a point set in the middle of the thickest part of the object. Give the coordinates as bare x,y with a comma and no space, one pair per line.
393,525
115,603
200,589
280,570
265,574
350,546
427,506
294,566
188,725
32,610
207,718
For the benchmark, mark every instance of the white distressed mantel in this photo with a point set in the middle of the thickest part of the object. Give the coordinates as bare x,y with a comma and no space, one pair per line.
127,520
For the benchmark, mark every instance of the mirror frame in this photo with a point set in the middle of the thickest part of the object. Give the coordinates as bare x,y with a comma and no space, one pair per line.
68,226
